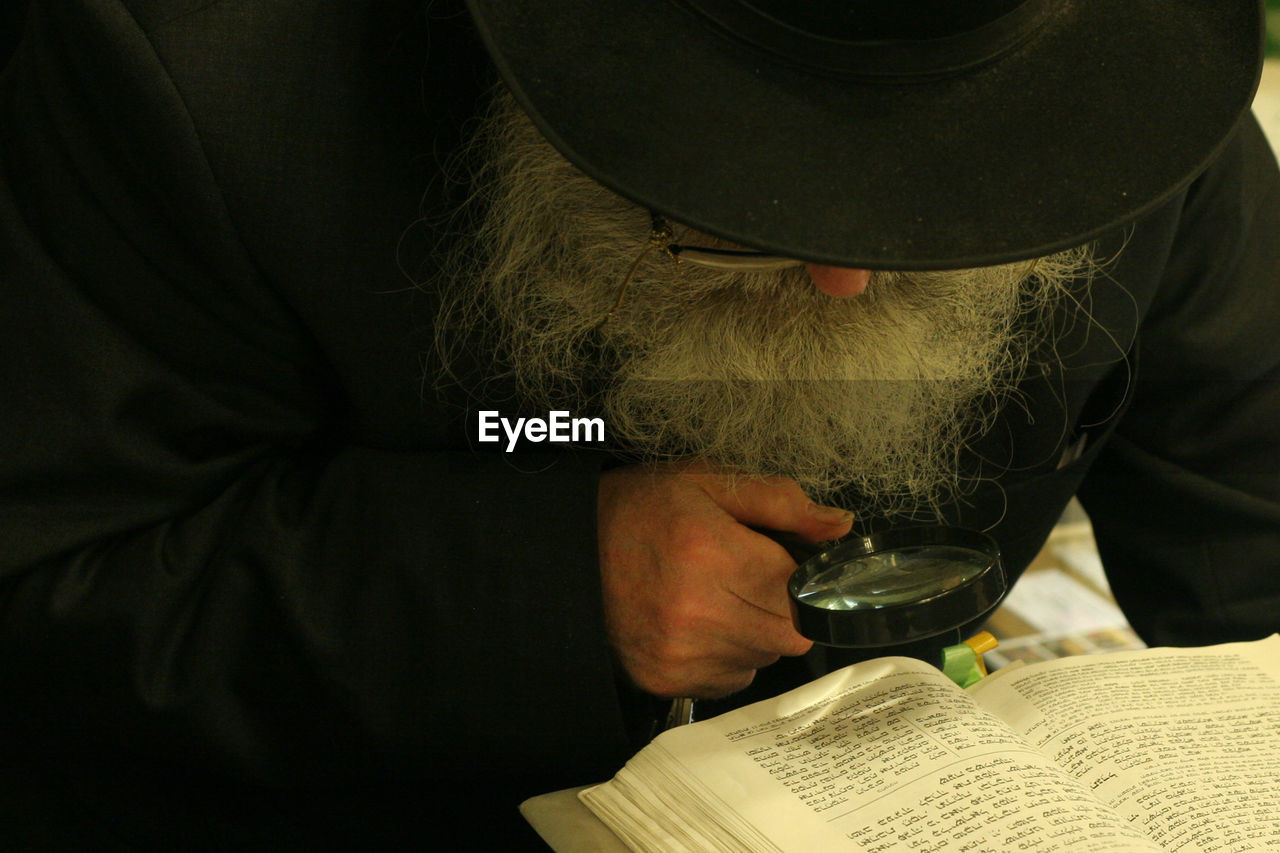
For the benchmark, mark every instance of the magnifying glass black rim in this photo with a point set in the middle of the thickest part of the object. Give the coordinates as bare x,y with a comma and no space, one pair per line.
912,621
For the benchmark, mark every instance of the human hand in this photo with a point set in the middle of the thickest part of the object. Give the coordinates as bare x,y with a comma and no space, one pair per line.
696,601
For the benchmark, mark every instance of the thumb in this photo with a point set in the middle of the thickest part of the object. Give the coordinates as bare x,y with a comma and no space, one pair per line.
775,503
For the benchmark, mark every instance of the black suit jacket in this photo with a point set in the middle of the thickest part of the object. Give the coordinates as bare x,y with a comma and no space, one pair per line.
258,584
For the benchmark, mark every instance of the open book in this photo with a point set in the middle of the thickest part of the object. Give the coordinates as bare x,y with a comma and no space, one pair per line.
1148,750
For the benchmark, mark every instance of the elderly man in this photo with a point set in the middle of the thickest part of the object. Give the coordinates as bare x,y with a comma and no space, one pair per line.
276,272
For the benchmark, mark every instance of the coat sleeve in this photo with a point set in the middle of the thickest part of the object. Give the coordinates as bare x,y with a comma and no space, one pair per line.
215,550
1185,498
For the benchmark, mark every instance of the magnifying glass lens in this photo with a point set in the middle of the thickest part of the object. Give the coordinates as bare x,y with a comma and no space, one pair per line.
891,578
897,587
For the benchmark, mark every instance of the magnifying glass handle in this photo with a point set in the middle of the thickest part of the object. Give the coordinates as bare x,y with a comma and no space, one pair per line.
681,713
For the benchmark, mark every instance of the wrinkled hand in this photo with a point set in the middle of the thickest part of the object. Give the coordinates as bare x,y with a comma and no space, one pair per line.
695,601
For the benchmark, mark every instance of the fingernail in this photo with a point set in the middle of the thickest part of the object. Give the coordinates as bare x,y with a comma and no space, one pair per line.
830,514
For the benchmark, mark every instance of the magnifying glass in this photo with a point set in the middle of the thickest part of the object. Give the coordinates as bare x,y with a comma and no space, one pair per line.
896,588
905,591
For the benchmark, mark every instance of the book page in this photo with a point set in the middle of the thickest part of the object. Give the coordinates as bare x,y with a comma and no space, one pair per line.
1182,743
884,755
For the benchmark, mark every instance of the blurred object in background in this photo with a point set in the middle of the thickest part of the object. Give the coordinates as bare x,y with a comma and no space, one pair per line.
1062,605
1273,28
1267,103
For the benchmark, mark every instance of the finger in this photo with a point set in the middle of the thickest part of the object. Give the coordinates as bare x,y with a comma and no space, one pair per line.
726,670
735,631
775,503
712,667
725,682
723,669
758,571
767,628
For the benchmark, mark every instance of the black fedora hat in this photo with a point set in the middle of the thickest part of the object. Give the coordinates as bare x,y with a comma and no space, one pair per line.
885,133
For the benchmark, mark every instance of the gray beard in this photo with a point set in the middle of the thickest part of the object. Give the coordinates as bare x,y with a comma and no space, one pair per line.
760,373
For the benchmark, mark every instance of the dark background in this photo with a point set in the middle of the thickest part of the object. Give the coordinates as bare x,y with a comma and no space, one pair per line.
12,13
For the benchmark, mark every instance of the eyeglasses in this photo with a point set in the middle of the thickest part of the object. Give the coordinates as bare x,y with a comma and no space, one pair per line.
734,260
662,238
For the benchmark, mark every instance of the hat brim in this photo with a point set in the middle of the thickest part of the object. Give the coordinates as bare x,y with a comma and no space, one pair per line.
1107,110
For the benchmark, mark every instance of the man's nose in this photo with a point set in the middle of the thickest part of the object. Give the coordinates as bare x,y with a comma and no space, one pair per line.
838,281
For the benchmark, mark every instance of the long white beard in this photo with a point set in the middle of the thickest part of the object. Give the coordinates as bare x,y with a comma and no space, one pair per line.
758,372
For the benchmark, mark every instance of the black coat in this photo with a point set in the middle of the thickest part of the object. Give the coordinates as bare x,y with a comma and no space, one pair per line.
259,585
